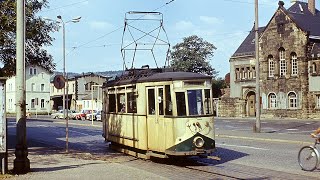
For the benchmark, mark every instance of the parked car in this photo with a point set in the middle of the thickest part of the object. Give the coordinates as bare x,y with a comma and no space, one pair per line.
82,114
73,114
59,114
94,113
98,116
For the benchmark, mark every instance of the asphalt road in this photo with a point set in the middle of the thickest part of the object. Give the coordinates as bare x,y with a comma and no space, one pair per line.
271,154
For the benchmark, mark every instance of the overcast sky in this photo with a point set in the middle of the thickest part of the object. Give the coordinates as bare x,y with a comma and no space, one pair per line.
94,43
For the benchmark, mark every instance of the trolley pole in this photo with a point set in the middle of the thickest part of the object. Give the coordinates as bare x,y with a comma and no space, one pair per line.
257,127
21,162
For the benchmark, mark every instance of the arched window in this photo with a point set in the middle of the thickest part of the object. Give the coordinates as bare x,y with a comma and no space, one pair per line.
282,60
272,99
292,98
294,64
271,65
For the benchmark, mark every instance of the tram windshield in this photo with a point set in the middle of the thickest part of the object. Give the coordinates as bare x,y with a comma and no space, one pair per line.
197,103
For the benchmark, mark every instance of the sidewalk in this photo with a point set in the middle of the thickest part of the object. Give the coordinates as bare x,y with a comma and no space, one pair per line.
47,163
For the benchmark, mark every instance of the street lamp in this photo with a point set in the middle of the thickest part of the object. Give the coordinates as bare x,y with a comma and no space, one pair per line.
65,110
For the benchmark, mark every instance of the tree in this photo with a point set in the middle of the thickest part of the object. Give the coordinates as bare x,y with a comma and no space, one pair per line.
193,55
37,36
217,85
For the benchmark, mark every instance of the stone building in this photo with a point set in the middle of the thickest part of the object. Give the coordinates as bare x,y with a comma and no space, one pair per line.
289,66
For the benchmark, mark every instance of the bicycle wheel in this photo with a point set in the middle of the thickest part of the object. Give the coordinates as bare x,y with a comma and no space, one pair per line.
308,158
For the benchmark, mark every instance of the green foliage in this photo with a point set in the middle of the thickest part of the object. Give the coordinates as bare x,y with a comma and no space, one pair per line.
37,36
193,55
217,85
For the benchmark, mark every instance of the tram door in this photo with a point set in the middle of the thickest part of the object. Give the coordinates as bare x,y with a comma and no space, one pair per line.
155,120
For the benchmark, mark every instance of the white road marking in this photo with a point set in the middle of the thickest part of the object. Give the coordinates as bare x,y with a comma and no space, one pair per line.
42,126
248,147
291,129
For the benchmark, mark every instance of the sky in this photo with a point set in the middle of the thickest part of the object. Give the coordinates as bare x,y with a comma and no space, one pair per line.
94,44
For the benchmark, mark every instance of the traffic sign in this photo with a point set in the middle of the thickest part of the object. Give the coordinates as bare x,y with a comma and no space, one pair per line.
59,81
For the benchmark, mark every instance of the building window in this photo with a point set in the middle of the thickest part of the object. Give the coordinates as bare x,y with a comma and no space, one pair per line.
292,97
283,66
42,103
33,103
10,103
42,87
314,68
318,101
30,71
272,100
294,64
34,71
33,87
271,66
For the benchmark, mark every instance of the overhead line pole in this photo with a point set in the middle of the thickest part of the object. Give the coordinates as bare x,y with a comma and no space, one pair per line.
21,162
257,127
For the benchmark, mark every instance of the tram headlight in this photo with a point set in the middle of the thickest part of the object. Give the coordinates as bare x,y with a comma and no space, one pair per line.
198,142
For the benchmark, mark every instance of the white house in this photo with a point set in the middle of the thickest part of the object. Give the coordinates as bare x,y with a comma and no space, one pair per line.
37,91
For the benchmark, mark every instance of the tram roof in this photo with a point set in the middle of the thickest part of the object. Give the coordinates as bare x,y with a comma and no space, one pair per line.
153,75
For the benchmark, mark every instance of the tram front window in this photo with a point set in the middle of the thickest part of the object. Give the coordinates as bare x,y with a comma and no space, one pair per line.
181,104
195,102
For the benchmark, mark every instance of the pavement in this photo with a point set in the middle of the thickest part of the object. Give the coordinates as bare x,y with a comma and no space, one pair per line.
55,163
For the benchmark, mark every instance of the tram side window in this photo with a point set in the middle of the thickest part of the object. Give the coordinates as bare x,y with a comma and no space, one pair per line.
195,102
207,102
168,100
151,102
121,103
112,103
131,102
181,104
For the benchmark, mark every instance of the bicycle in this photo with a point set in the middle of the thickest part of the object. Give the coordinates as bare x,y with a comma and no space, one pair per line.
308,156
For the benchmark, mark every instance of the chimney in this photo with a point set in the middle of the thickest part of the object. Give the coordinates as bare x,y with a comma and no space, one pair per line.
312,6
281,3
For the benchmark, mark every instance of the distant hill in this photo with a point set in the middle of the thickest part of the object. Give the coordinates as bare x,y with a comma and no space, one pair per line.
70,75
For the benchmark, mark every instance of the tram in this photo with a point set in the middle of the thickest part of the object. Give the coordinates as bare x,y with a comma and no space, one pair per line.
159,113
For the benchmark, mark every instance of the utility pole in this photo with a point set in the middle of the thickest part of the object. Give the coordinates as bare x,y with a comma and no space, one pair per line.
257,127
21,163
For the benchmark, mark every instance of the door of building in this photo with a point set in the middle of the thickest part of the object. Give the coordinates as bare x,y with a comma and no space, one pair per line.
251,101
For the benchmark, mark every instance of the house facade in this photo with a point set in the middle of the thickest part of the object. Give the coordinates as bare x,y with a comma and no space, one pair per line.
289,59
83,92
37,91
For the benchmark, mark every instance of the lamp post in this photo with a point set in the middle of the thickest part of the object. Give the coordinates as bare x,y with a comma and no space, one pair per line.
64,107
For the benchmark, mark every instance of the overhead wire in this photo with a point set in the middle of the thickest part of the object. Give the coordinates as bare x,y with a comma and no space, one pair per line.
120,27
68,5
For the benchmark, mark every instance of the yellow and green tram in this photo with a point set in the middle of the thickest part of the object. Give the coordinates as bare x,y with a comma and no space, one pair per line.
160,113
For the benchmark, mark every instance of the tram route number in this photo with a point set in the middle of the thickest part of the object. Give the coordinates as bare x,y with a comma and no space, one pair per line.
59,81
